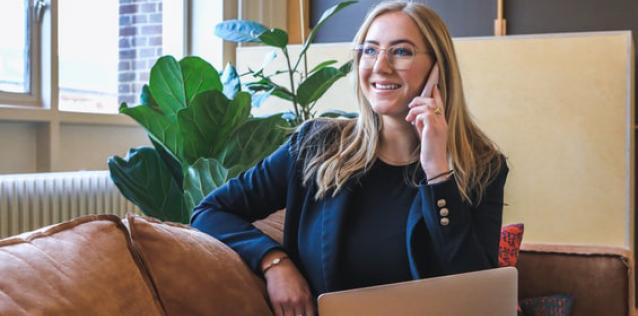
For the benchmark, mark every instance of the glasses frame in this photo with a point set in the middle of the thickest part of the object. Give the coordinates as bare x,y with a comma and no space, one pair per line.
359,51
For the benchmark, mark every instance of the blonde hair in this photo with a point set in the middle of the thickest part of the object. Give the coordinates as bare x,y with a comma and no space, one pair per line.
339,149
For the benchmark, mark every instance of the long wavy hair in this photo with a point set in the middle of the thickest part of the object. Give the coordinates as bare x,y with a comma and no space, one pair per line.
337,150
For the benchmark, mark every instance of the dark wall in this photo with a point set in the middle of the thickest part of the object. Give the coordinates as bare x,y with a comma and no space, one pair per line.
476,17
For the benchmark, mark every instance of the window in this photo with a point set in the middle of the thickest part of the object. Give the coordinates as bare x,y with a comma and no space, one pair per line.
19,42
14,47
109,64
105,50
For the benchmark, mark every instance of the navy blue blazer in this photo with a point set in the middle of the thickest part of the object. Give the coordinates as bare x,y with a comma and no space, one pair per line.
313,229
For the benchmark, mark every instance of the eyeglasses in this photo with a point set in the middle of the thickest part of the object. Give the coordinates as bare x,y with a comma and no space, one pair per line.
399,56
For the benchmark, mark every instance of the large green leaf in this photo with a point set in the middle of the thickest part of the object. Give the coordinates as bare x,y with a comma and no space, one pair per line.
324,17
323,65
199,76
240,30
265,84
167,86
231,82
209,122
319,82
201,178
255,139
160,127
274,37
143,178
172,164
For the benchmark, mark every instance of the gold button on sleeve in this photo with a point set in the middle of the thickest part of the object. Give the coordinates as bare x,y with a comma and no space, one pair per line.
445,221
441,203
444,212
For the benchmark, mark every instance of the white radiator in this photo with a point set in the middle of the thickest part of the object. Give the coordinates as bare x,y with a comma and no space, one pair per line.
31,201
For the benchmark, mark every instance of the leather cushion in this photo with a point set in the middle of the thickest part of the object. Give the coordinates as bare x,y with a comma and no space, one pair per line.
598,278
195,274
81,267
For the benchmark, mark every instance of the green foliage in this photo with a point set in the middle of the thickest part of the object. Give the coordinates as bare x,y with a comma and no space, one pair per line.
200,138
312,85
200,123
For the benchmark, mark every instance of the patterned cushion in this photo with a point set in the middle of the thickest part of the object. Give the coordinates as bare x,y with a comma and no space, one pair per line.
554,305
511,238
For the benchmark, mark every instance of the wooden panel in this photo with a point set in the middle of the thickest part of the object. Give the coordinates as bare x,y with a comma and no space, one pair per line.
560,106
295,21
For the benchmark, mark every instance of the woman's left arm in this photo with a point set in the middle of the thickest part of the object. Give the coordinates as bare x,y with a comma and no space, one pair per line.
464,238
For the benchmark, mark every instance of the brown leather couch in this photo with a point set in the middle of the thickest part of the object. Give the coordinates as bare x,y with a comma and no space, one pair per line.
101,265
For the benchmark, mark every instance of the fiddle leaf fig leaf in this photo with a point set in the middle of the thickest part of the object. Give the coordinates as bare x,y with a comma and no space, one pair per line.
208,123
167,86
159,127
255,139
143,178
203,177
199,76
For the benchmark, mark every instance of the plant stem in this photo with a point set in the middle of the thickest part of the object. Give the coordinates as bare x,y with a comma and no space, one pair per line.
292,84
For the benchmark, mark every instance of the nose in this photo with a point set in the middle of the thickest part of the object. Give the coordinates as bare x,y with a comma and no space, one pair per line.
382,64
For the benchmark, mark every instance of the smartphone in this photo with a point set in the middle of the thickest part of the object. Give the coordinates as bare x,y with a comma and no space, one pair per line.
433,79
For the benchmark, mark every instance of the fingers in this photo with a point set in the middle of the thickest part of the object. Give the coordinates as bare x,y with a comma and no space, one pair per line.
438,99
310,309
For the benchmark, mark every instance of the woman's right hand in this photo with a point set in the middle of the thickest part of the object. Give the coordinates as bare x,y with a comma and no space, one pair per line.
287,289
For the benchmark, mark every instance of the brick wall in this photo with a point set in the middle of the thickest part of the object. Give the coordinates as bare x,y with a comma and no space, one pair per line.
140,45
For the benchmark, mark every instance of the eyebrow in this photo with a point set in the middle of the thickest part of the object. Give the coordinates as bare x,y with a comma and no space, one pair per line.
399,41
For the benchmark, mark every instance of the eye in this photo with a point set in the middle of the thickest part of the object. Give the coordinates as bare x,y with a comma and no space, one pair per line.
402,51
369,51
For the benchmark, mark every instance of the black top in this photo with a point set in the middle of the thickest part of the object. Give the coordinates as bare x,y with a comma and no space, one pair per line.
380,204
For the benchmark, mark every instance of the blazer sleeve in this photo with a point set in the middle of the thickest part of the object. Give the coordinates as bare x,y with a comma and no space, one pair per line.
464,237
227,212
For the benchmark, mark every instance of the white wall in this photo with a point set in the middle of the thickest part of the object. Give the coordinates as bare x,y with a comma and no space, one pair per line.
17,147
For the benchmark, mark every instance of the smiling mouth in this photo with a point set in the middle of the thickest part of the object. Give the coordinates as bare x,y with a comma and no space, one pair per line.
386,87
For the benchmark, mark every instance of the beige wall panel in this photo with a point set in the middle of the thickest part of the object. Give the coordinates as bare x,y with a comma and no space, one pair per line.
17,147
87,147
560,108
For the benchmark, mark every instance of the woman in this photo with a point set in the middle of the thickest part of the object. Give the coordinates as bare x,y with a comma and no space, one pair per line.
410,189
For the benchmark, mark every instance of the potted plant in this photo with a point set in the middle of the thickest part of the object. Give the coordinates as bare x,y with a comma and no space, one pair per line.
200,125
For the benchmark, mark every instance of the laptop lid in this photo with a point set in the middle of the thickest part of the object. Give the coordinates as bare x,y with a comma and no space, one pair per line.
491,292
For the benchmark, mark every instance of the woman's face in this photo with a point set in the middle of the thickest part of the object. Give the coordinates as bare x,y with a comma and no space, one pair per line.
390,90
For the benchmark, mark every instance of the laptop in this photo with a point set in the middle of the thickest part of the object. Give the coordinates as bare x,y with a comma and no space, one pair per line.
492,292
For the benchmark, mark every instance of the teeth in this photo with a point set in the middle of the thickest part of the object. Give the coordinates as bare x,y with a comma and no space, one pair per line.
386,86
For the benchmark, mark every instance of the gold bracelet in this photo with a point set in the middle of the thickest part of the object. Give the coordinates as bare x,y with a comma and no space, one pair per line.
273,263
447,173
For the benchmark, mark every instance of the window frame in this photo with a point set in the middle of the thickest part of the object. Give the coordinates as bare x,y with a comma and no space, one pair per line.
34,95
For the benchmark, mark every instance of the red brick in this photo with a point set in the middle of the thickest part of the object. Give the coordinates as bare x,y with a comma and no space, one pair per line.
155,18
140,18
155,41
147,52
152,29
128,31
148,8
128,8
124,65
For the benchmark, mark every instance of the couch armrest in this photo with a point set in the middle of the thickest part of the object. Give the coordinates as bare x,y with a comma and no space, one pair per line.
599,278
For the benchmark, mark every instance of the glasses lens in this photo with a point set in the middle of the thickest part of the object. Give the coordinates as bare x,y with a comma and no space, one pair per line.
367,55
401,56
